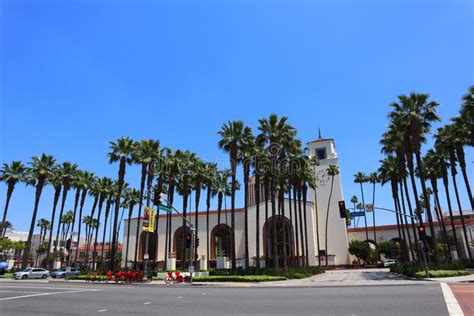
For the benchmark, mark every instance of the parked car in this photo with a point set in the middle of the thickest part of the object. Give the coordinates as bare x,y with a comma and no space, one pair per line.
31,273
389,262
64,273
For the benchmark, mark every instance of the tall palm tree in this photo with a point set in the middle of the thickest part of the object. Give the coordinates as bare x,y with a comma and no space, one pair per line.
112,192
66,221
276,134
133,197
231,135
373,179
120,151
68,172
418,113
246,148
41,168
210,174
104,187
258,162
332,171
445,144
466,115
354,201
94,191
197,178
56,181
86,181
11,175
44,225
361,178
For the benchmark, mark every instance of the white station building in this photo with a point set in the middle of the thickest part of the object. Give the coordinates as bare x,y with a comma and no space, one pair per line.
325,151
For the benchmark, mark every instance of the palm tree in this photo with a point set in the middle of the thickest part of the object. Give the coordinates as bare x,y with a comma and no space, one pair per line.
354,201
112,191
276,134
258,166
232,134
11,175
431,162
374,179
332,171
86,181
445,144
144,152
44,226
56,181
210,174
133,197
41,168
104,186
120,151
246,148
66,221
68,173
466,115
361,178
197,178
418,113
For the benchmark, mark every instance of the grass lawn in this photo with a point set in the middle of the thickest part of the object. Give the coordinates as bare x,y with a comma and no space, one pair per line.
442,273
239,278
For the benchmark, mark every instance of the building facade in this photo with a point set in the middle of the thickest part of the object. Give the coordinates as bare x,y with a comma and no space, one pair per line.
315,215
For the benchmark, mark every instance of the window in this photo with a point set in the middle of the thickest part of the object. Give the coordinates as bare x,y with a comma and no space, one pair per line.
222,241
321,153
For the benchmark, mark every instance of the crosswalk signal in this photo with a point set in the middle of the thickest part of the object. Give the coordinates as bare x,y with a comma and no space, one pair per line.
342,209
422,232
188,240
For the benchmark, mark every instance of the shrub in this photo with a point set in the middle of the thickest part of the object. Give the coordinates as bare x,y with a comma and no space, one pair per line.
442,273
302,272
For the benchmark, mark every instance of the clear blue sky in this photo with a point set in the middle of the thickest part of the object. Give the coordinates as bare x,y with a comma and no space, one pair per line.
77,74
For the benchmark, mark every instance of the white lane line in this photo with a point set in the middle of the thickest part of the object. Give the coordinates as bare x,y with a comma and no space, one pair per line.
147,303
451,302
39,294
179,297
101,310
19,292
203,293
46,287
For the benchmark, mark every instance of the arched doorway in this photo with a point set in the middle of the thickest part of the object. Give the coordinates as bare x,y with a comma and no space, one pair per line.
178,244
283,228
396,252
221,241
152,246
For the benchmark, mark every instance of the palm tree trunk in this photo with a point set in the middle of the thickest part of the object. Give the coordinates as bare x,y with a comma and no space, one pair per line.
373,210
274,225
94,252
65,191
232,217
305,192
5,211
453,176
196,222
327,221
83,199
407,225
121,177
296,227
421,175
26,252
140,205
107,211
303,251
208,207
410,209
462,164
57,192
404,228
257,219
439,214
291,225
76,202
283,224
266,189
130,213
365,215
246,213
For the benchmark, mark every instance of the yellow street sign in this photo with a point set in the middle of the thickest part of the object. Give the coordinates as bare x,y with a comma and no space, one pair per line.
149,220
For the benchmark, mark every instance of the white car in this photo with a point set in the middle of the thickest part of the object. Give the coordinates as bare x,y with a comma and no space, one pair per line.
389,262
31,273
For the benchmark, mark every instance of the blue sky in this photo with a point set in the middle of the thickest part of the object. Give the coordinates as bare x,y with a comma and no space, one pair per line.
77,74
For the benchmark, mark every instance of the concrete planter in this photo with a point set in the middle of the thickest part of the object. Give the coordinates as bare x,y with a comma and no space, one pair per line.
203,264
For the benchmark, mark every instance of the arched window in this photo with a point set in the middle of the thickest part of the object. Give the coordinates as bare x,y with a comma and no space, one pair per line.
283,226
221,241
178,244
152,246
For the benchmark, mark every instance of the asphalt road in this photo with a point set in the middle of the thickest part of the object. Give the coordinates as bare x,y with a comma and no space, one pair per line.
54,299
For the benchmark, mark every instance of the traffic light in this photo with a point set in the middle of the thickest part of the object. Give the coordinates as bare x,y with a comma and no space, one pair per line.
197,242
188,240
422,232
68,244
156,196
342,209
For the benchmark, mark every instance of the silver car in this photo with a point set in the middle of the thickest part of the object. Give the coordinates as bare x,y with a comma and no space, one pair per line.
64,273
31,273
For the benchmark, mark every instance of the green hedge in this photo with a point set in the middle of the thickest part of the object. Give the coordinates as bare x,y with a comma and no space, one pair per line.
6,275
441,273
88,277
292,273
239,278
